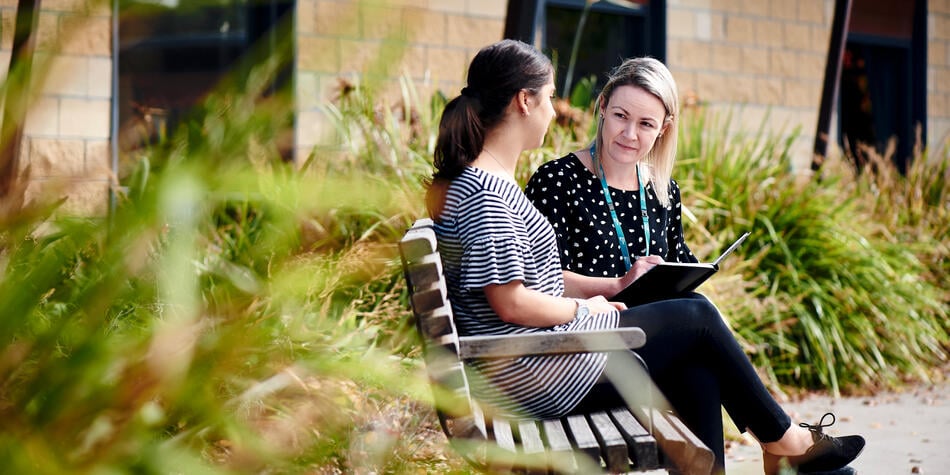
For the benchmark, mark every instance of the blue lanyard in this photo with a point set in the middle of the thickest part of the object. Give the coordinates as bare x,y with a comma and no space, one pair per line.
613,212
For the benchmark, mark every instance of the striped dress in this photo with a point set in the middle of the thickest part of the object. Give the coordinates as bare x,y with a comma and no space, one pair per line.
489,233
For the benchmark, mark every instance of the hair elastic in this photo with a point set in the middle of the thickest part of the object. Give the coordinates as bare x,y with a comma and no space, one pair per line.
468,92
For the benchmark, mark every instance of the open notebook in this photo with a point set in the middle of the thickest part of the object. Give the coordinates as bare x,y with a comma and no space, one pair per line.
670,278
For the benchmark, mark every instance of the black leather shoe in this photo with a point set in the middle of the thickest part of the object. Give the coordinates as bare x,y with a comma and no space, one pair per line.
826,454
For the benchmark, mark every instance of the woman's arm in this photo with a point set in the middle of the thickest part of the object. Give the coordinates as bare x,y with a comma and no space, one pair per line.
582,286
515,303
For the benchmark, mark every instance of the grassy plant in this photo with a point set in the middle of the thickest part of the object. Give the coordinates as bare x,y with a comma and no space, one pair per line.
234,315
911,209
835,303
240,314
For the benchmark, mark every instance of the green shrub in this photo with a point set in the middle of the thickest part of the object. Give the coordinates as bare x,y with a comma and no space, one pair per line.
829,300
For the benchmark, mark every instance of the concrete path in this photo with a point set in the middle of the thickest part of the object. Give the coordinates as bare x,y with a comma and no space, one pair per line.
906,432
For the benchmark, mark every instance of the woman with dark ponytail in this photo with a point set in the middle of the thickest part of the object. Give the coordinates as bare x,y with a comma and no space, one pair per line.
499,253
503,269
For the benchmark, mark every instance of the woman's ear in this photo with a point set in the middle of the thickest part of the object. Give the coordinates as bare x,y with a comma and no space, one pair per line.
522,98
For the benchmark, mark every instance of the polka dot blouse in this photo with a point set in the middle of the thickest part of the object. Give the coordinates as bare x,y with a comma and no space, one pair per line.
572,198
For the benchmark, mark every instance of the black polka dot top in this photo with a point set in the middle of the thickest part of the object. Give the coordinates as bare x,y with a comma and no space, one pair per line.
572,198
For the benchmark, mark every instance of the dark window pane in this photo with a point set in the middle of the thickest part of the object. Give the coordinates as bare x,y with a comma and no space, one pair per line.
883,80
173,53
607,38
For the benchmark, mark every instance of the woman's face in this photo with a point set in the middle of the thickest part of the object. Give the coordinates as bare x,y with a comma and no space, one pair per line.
633,119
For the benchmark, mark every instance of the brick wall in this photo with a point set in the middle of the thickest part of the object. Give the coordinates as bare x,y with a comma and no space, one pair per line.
938,79
763,60
67,130
753,57
428,41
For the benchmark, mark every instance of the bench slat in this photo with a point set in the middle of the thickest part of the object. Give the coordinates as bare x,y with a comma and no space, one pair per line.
670,440
501,429
505,438
583,437
612,444
533,446
701,459
425,272
435,326
428,300
641,445
548,343
559,445
680,451
530,437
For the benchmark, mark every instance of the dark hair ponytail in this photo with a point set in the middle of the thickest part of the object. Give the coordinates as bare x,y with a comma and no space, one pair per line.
461,136
495,75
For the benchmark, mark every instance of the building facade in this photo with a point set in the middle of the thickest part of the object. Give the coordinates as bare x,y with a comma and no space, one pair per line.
764,60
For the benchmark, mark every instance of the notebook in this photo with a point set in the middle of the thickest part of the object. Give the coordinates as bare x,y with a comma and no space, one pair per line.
671,278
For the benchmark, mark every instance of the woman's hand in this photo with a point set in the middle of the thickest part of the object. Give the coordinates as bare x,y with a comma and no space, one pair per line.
599,304
639,267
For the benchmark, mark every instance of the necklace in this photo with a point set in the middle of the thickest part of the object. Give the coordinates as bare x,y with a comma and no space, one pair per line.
492,155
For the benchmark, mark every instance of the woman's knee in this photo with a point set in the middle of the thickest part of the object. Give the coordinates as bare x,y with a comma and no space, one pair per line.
700,311
692,313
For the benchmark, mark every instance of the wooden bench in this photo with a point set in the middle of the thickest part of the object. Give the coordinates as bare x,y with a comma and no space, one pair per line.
618,440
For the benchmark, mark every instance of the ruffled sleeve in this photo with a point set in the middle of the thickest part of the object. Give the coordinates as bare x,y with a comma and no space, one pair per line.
497,259
494,250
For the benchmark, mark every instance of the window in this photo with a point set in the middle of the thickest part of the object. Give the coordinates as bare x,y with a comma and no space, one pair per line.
883,79
172,53
612,31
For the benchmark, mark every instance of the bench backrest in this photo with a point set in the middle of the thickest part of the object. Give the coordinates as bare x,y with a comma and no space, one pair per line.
422,265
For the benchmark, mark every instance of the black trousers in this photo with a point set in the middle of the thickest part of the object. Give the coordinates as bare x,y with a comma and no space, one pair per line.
699,367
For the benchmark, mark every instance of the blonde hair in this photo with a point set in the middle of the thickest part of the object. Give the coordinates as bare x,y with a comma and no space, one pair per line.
654,77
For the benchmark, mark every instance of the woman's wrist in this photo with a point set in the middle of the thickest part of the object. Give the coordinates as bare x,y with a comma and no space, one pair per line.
620,283
582,309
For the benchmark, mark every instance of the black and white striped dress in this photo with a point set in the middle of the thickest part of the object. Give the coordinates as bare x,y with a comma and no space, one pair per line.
489,233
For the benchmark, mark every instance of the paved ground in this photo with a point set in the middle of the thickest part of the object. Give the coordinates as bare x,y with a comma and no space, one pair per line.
906,432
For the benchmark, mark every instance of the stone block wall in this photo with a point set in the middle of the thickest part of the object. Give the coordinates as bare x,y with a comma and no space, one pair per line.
938,79
68,125
427,41
762,60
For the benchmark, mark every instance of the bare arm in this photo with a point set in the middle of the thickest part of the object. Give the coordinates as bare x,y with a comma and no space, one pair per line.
515,303
582,286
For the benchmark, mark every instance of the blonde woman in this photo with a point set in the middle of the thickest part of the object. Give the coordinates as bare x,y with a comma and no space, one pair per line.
615,211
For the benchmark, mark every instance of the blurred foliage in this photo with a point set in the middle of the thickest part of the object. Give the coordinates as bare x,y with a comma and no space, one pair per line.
237,313
584,93
234,313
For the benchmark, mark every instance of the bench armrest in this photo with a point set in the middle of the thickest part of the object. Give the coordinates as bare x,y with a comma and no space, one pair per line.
550,343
